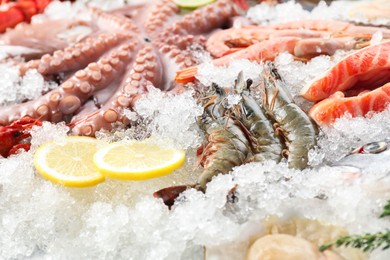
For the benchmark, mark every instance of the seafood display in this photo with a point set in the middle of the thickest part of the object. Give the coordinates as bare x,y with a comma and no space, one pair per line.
362,72
297,239
304,39
375,152
111,64
270,128
260,124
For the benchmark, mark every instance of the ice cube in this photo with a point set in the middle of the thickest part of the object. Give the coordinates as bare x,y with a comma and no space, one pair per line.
208,73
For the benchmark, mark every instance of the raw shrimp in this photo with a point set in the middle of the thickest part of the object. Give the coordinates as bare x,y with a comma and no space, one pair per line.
266,145
265,50
227,147
226,41
312,47
291,122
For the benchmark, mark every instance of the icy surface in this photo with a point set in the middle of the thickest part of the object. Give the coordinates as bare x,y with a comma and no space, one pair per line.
169,120
15,89
208,73
171,116
298,74
348,133
233,100
115,219
121,220
291,11
376,38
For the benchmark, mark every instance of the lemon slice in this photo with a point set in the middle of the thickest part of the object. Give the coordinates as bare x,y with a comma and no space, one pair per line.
69,163
137,160
192,3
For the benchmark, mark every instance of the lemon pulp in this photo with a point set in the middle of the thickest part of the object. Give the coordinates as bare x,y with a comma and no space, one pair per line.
137,160
70,162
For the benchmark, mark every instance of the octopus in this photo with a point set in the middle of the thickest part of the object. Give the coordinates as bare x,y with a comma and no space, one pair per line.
115,59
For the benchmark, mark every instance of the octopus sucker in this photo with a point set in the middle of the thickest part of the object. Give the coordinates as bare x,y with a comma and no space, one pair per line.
160,14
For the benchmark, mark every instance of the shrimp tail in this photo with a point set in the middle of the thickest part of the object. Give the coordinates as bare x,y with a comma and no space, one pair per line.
186,75
170,194
233,50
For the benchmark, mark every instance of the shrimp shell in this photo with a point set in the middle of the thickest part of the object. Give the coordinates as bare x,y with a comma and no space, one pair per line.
267,145
295,126
227,147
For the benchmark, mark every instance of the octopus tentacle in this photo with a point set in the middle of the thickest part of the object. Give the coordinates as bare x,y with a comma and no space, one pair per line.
145,70
70,95
75,57
161,14
181,41
174,59
205,19
107,22
40,38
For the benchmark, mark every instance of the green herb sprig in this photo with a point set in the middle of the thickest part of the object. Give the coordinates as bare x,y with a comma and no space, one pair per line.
367,242
386,210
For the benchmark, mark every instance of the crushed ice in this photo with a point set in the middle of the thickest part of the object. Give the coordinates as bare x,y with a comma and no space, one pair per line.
298,74
208,73
292,11
233,100
348,133
119,220
376,38
170,116
16,89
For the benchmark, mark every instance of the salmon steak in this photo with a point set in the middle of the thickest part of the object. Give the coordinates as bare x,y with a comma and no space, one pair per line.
369,66
361,73
328,110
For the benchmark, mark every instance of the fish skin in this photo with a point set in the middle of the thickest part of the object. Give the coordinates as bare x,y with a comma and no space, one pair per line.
365,162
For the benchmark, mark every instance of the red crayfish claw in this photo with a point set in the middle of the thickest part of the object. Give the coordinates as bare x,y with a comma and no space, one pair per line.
11,136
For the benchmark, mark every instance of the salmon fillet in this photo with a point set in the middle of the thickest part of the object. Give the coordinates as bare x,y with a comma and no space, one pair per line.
337,105
367,67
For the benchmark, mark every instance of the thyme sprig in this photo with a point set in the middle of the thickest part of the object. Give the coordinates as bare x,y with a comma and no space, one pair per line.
386,210
367,242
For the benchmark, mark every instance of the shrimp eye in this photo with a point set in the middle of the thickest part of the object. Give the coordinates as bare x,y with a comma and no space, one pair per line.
249,83
275,73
